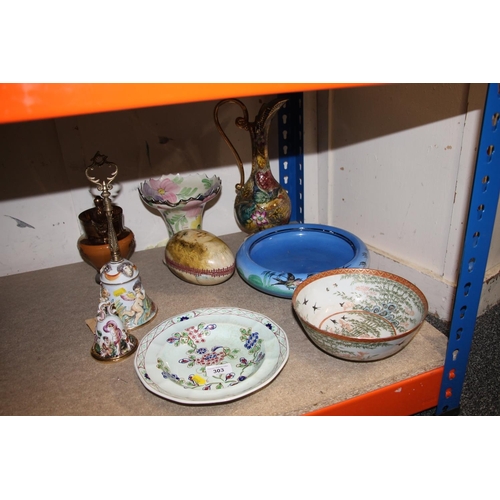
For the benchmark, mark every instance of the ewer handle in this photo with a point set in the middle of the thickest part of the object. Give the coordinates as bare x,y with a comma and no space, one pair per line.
241,122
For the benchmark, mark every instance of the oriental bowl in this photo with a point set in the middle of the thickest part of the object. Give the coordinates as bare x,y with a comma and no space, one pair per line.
359,314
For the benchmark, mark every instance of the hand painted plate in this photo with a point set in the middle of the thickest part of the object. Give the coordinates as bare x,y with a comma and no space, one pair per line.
211,355
276,260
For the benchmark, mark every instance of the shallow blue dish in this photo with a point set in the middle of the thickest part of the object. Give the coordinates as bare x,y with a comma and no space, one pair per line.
276,260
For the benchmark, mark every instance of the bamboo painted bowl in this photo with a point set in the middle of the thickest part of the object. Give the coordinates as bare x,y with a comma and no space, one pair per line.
359,314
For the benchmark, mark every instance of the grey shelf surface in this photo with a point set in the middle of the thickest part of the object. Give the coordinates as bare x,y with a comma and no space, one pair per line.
46,367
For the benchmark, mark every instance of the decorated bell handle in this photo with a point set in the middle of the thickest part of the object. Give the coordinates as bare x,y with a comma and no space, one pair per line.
241,122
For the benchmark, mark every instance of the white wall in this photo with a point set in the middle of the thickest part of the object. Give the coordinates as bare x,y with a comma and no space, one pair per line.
400,161
393,164
43,163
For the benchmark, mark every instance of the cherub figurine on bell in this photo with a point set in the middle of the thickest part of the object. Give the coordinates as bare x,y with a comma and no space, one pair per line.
121,284
112,342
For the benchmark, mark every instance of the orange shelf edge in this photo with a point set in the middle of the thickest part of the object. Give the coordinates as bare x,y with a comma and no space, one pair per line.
36,101
407,397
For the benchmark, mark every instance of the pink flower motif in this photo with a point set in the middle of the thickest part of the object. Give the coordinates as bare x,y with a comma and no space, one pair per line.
344,324
410,312
193,208
162,189
195,334
259,217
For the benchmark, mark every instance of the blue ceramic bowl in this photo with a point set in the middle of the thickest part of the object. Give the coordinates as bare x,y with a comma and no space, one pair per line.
277,260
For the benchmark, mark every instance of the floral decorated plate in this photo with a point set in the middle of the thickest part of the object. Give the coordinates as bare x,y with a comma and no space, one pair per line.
276,260
211,355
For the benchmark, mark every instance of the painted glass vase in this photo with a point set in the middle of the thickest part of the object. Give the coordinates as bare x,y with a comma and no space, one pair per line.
261,202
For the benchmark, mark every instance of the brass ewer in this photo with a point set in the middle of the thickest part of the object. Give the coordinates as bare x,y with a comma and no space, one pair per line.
261,202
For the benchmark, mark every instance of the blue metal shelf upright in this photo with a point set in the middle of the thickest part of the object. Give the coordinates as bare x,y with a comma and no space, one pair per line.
291,153
477,241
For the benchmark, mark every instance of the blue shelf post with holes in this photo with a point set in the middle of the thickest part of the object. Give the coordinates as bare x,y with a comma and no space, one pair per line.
477,241
291,153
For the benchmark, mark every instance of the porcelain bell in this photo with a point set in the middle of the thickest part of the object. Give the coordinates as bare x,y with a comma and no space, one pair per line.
121,285
111,340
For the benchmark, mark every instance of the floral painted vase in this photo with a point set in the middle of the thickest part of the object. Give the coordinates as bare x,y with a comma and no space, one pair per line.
261,202
180,199
122,286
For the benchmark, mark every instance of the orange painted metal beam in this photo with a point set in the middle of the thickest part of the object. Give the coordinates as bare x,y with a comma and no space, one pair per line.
407,397
35,101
